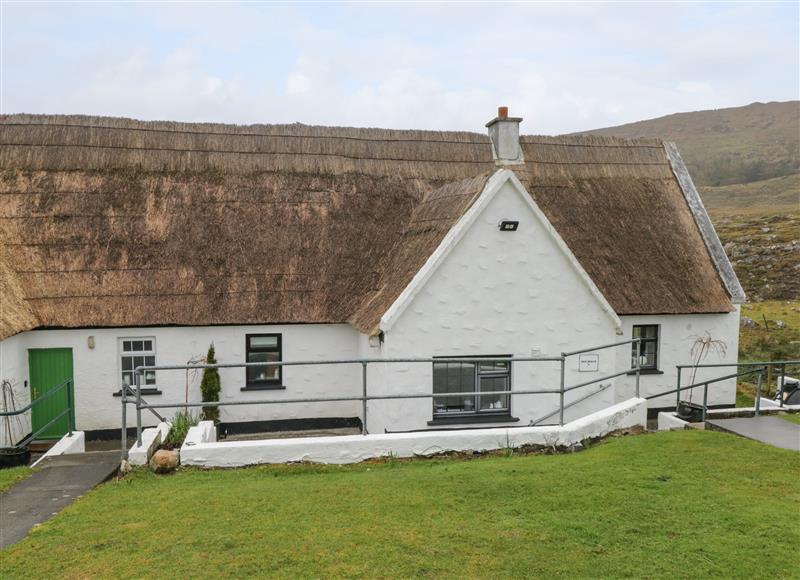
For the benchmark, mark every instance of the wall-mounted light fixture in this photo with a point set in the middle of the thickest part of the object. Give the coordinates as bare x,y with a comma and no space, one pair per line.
90,342
509,226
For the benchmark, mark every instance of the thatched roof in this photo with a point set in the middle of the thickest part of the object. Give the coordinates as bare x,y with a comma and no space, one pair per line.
113,222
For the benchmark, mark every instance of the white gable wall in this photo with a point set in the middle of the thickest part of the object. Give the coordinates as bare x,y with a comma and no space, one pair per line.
497,293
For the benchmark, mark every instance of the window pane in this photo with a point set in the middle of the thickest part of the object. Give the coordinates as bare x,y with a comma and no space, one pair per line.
265,373
127,378
454,378
493,367
127,363
149,378
266,342
493,402
148,345
150,361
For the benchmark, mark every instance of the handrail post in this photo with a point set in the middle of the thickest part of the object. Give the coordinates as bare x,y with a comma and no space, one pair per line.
678,391
69,407
705,400
758,391
561,390
783,384
124,434
138,380
364,397
638,365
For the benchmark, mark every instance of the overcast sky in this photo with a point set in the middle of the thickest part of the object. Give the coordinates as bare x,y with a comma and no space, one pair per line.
563,67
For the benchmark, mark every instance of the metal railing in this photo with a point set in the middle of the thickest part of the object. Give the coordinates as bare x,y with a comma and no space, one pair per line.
760,368
68,411
364,397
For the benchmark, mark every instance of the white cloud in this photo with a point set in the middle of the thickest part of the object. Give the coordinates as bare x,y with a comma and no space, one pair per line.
298,84
562,67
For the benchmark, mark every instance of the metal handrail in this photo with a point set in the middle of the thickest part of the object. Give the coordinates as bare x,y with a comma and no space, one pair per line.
67,411
601,347
743,364
701,383
473,359
35,401
140,404
570,404
32,436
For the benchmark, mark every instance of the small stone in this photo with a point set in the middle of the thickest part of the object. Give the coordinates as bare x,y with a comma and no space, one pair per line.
780,324
124,467
748,322
164,461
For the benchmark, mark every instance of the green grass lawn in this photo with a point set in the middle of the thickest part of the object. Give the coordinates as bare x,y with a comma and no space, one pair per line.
12,475
794,417
679,504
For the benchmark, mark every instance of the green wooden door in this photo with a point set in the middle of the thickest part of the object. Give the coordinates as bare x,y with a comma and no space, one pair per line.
49,368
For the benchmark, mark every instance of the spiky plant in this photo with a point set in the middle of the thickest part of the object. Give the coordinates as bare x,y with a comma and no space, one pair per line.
702,346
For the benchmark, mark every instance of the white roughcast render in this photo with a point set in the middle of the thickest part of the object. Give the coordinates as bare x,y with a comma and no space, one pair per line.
357,448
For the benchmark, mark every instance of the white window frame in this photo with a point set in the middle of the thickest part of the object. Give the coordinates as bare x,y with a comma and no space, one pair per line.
131,353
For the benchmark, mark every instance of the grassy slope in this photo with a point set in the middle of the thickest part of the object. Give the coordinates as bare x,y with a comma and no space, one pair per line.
682,504
765,341
9,477
735,145
760,198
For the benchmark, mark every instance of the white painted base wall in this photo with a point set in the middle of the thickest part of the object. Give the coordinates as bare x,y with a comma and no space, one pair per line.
357,448
67,445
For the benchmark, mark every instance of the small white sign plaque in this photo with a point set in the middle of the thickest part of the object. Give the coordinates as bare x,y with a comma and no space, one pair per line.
589,363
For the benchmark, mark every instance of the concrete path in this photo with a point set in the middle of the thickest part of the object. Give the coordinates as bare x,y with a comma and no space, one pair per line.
55,485
770,430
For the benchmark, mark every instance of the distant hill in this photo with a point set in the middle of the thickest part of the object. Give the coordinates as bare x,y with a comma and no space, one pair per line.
727,146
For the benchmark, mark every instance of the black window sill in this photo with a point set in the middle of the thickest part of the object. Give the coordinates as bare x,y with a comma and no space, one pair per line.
273,387
647,372
468,419
132,393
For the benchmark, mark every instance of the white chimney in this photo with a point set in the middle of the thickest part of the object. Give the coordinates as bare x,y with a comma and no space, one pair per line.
504,133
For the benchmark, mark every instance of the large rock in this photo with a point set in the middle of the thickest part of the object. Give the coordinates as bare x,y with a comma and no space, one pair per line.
164,461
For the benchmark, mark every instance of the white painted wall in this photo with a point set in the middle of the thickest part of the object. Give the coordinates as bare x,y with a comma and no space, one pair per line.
503,293
97,373
677,335
356,448
13,356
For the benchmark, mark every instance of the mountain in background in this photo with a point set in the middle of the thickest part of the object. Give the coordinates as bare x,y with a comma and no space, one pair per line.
728,146
745,162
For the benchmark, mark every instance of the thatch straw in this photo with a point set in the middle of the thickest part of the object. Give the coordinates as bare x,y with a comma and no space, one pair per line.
113,222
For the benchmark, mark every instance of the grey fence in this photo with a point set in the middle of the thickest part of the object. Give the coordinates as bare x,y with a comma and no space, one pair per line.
133,395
